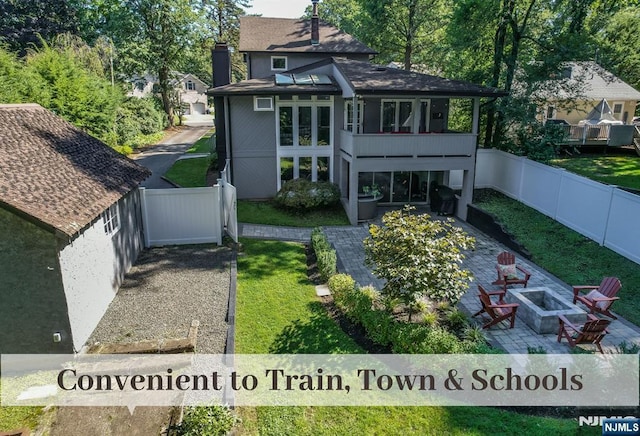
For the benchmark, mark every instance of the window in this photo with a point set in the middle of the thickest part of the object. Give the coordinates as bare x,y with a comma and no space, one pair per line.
348,116
140,86
551,113
111,219
278,63
617,110
397,116
190,86
304,140
262,104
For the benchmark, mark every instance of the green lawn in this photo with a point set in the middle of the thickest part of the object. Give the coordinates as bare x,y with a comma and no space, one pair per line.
203,145
264,212
613,170
573,258
189,173
277,312
12,418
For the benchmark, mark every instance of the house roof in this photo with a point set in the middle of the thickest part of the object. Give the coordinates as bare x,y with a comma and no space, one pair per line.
363,78
367,78
261,34
598,83
57,174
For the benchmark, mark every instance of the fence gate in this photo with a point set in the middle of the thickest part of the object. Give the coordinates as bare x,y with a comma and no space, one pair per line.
182,215
229,200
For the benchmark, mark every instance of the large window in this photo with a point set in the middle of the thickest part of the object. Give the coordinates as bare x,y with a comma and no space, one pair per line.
305,138
397,116
401,186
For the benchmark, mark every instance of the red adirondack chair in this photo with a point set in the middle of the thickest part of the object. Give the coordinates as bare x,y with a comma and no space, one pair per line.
510,273
498,311
592,332
600,298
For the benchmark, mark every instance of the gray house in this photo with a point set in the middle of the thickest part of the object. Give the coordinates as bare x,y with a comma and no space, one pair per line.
313,106
70,227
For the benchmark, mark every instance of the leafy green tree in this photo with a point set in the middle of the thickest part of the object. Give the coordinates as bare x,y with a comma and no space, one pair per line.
26,24
619,42
18,85
418,257
401,28
77,93
164,33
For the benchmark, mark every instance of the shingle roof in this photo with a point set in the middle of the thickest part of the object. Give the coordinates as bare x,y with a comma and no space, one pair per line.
600,83
260,34
367,78
55,172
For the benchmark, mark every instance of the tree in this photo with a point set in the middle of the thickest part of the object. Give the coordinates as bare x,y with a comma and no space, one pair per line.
418,257
26,24
165,30
616,39
76,92
400,28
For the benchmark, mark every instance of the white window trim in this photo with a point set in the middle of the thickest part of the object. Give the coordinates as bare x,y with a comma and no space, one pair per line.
259,109
286,63
348,121
111,220
190,88
396,121
613,110
296,150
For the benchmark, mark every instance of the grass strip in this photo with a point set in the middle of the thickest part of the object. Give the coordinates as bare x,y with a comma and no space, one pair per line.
265,212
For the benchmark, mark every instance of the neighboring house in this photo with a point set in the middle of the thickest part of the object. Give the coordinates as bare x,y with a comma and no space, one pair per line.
71,228
188,89
592,84
315,107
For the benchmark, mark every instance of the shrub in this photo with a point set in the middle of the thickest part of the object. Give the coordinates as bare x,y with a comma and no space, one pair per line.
418,257
340,285
456,320
319,241
325,255
327,262
302,194
206,421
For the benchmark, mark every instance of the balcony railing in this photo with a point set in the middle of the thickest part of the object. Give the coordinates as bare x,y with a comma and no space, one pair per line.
408,144
613,135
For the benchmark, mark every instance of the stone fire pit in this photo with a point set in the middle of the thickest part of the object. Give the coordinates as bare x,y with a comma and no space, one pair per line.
540,307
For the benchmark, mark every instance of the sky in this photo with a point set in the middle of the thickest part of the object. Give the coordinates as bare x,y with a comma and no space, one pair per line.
279,8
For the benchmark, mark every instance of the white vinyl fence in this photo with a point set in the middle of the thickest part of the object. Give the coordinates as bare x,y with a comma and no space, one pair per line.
606,214
182,215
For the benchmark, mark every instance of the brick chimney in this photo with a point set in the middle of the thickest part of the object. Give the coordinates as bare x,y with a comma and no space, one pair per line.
315,31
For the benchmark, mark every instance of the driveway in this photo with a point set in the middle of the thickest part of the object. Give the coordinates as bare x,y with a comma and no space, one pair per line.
160,157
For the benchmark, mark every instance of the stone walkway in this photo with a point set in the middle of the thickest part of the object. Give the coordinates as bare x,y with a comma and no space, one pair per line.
347,240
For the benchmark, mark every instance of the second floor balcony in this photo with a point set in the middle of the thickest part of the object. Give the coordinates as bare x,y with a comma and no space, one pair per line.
408,145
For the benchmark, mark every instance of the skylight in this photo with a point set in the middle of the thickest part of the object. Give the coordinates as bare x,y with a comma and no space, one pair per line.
303,79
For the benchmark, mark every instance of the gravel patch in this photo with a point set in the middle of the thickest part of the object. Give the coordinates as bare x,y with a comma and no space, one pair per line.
166,289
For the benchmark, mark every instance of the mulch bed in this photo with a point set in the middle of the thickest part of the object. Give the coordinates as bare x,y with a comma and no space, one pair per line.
355,331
